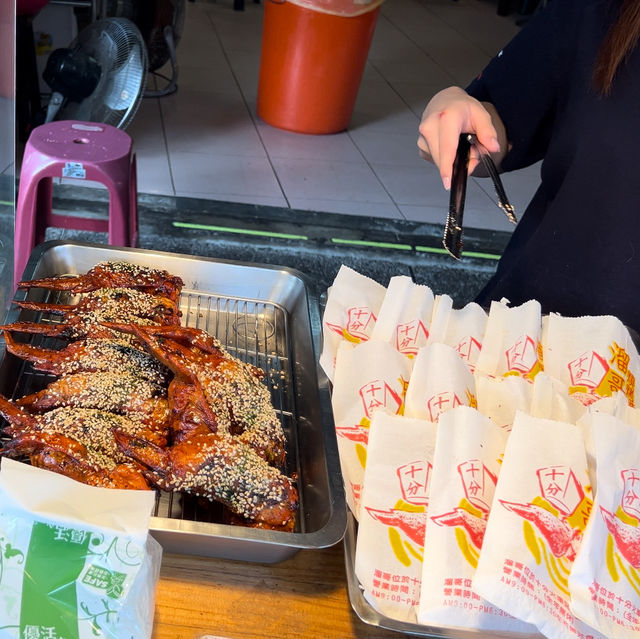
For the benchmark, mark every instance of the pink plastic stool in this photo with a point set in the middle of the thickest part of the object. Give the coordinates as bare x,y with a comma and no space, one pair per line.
83,151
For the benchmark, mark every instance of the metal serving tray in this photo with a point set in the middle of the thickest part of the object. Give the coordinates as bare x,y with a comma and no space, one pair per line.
264,315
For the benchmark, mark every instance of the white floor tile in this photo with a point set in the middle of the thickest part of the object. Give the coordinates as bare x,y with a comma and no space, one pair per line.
216,77
214,123
281,144
419,184
201,174
154,174
320,180
146,129
396,148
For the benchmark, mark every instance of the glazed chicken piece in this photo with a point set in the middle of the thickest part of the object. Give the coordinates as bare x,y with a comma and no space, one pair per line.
91,427
115,392
190,411
114,274
91,355
112,304
221,469
239,403
86,318
74,440
127,476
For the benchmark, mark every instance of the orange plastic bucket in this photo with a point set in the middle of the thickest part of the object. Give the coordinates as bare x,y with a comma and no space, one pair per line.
311,66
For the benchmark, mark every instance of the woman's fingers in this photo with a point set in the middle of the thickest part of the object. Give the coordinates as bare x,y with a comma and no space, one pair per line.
448,114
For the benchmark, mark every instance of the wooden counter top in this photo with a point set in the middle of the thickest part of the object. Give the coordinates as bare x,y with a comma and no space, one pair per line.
303,597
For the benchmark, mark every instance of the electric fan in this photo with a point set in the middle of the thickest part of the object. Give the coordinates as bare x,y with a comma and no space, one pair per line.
161,23
101,77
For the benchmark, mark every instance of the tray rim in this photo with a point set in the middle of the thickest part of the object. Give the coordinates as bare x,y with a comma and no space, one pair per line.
334,529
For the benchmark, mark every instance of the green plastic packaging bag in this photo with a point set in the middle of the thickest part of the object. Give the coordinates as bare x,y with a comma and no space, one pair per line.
76,562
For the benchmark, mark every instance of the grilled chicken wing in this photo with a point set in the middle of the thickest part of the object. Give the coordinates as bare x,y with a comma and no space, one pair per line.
233,391
220,469
86,318
114,274
78,443
116,392
91,355
124,476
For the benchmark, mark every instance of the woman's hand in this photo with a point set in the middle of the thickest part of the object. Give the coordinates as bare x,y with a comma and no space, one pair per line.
449,113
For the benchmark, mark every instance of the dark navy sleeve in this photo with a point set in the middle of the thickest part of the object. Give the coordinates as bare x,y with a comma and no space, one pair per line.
523,80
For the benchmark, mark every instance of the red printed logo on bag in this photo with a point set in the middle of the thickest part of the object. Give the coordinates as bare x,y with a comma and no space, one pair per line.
411,336
468,348
631,492
588,370
378,394
522,357
555,520
414,482
624,526
561,488
441,403
479,483
360,322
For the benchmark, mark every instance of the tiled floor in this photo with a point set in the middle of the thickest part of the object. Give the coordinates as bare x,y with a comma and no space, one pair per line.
207,141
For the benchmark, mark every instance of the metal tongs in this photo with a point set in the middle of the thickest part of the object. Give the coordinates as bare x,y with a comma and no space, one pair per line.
453,228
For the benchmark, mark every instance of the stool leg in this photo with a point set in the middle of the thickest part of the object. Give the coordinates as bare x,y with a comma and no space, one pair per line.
44,208
133,204
118,183
31,215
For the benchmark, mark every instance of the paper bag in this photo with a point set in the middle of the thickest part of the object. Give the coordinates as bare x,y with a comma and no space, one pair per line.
511,344
466,465
541,507
551,400
370,378
605,578
442,307
594,356
465,332
500,398
395,501
405,315
440,381
353,304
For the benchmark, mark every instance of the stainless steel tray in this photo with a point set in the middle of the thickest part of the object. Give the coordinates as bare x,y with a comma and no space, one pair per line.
264,315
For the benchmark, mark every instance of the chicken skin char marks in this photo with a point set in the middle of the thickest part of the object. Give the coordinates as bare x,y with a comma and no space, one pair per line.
115,274
127,476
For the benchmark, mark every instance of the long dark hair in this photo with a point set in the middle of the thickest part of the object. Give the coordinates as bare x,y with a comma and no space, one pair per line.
619,42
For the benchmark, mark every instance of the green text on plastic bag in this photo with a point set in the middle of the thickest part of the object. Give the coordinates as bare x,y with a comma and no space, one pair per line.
55,558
